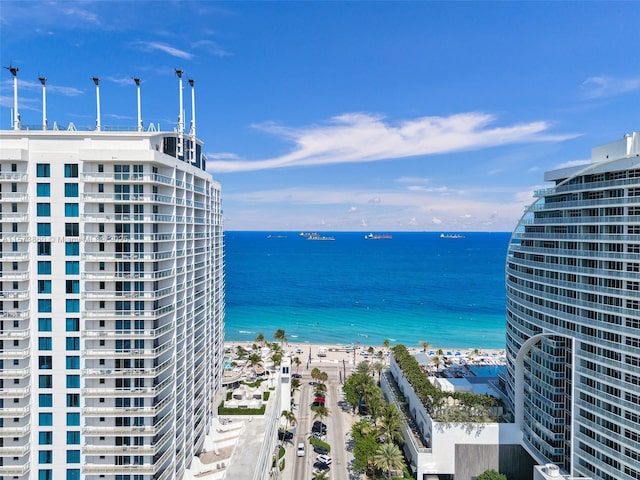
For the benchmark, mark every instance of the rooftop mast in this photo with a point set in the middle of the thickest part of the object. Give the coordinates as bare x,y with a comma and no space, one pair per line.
16,115
43,81
96,80
180,117
192,129
137,80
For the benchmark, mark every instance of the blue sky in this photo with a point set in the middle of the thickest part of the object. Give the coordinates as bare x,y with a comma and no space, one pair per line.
346,116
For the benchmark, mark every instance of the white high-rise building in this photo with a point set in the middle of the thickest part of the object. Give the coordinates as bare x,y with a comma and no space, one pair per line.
111,303
573,317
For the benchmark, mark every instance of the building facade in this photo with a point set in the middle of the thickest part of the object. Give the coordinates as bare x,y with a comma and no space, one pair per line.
111,303
573,317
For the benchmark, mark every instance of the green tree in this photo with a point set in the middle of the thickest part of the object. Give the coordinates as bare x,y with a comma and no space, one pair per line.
391,424
241,352
386,343
424,345
296,361
378,367
290,420
388,458
259,338
320,412
320,475
295,384
280,336
491,475
364,451
276,358
254,359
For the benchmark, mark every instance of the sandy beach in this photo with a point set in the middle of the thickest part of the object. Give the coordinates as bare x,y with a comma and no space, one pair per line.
318,354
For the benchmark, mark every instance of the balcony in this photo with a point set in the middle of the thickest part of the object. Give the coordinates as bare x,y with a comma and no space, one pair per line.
15,372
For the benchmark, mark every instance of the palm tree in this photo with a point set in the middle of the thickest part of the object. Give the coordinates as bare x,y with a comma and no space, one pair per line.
320,412
378,368
320,475
276,358
424,345
364,368
386,343
254,359
260,338
289,418
295,385
437,361
320,390
388,458
280,336
391,422
241,352
315,372
296,361
323,377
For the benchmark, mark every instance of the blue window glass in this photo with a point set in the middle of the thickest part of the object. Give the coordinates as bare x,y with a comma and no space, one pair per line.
45,362
72,267
45,400
70,170
43,209
72,286
43,190
43,170
73,473
73,381
45,438
45,419
73,343
73,400
73,419
73,324
44,305
45,456
73,456
45,474
71,210
73,438
45,381
73,305
44,324
44,267
70,189
44,248
72,249
44,286
44,343
44,229
73,362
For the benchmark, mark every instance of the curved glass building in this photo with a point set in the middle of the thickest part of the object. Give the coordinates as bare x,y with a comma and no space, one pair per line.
573,317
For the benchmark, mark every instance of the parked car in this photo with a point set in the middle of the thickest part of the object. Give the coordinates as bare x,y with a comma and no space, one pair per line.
326,459
319,427
296,375
320,449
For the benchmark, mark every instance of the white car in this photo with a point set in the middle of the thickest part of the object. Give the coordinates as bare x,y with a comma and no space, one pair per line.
300,451
326,459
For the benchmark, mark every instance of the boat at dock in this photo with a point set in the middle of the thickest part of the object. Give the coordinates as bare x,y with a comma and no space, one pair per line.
378,236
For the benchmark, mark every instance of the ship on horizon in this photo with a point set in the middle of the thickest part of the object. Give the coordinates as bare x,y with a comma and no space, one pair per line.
451,235
378,236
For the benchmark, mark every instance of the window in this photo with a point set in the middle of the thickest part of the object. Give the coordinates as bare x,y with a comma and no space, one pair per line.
45,474
44,324
73,399
73,419
45,456
44,305
43,170
73,286
45,438
74,473
44,343
44,248
73,381
43,209
71,210
73,362
70,189
45,362
101,187
72,267
45,419
73,324
73,438
72,249
72,305
72,229
44,268
73,343
45,400
44,229
45,381
44,286
70,170
43,190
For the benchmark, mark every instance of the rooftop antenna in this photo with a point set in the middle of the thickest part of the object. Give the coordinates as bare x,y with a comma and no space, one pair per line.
180,116
137,80
192,129
43,81
16,115
96,80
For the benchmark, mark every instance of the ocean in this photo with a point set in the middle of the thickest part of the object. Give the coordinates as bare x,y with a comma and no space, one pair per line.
411,288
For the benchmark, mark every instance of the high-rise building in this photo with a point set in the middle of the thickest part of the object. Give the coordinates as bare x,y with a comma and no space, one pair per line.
573,317
111,303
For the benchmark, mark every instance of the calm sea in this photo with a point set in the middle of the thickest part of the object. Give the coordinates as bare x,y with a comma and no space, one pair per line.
414,287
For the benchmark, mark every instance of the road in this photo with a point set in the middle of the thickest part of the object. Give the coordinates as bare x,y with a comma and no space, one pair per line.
338,427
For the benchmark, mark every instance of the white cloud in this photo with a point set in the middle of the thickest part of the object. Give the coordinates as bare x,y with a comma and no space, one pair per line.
436,221
573,163
352,210
211,47
163,47
363,223
362,137
31,85
599,87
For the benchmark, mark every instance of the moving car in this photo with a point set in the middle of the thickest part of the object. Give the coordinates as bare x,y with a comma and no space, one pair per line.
300,451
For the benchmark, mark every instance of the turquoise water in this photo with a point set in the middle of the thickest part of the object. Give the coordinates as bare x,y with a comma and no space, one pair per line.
414,287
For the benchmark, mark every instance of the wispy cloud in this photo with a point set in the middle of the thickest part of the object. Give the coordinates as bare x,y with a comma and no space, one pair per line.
211,47
600,87
573,163
363,137
163,47
31,85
